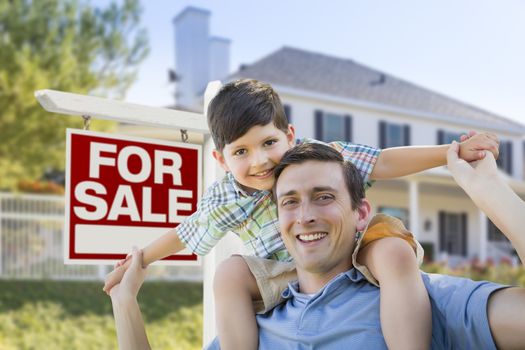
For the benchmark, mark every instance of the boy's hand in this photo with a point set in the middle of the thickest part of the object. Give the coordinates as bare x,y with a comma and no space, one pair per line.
114,277
473,146
133,278
473,176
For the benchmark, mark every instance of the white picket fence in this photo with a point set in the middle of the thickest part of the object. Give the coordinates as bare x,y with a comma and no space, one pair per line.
31,244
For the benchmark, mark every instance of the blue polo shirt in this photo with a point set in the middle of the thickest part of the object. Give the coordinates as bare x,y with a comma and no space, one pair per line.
345,315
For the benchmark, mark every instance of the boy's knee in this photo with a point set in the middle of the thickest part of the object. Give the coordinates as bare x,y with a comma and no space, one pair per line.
231,273
397,254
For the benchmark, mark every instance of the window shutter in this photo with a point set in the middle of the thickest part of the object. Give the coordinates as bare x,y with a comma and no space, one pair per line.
464,234
441,137
406,134
319,125
382,134
348,127
288,113
442,229
509,157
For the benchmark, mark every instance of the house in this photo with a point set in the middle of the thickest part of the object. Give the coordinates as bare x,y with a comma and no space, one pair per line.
331,98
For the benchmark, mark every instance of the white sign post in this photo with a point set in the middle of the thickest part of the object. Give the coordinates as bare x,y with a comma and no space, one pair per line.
100,108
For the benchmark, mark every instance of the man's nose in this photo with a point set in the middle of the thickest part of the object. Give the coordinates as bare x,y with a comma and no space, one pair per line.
306,214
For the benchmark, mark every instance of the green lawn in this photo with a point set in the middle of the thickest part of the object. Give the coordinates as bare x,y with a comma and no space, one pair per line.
77,315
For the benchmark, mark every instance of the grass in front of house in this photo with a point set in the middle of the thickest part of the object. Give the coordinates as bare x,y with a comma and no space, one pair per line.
78,315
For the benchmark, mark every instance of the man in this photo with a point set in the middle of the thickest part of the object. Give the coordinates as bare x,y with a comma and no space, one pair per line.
332,306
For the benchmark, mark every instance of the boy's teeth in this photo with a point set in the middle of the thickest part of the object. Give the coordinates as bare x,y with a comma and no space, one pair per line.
312,237
262,173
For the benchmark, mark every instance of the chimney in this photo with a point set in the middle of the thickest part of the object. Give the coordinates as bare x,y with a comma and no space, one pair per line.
199,58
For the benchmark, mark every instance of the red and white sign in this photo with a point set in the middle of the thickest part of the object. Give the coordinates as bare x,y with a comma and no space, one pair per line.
124,191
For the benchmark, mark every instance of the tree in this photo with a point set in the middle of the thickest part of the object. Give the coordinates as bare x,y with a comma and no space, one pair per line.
65,45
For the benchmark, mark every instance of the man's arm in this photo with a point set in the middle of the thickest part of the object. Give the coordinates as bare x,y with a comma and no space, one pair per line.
400,161
506,307
131,333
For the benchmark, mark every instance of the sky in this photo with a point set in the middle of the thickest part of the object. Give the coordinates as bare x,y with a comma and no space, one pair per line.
472,50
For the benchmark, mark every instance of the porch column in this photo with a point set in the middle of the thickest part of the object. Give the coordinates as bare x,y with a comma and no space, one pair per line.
483,236
413,187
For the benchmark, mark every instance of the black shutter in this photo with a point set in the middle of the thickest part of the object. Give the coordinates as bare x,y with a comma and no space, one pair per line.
509,157
382,134
441,137
288,113
406,134
319,125
442,229
464,234
348,127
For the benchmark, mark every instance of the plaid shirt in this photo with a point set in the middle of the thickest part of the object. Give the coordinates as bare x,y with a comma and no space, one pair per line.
253,217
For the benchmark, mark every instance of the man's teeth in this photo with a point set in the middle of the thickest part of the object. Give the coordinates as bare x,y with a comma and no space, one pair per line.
312,237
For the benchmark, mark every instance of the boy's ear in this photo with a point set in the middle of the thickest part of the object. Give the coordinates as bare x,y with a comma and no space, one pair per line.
220,159
290,135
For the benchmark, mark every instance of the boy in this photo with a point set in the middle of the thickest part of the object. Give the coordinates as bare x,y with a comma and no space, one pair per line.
251,133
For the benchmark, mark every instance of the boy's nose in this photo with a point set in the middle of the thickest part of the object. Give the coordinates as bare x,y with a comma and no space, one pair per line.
259,158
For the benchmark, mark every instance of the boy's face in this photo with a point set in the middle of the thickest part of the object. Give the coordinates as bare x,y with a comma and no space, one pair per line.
252,157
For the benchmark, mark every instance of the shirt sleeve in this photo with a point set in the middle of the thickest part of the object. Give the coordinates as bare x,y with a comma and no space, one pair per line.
220,210
459,312
363,157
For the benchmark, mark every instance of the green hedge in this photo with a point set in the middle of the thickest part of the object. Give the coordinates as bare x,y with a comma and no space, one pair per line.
78,315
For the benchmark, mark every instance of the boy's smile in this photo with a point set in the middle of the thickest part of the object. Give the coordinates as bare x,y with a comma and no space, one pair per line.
252,157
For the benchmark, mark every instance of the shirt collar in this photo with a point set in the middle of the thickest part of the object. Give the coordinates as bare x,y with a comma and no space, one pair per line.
351,276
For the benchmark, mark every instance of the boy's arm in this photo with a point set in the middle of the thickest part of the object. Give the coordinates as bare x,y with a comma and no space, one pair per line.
168,244
506,307
400,161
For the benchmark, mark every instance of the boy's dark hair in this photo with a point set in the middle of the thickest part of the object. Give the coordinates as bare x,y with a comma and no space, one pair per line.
240,105
324,153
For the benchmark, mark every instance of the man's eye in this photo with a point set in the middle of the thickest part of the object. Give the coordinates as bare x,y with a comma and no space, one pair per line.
240,152
325,197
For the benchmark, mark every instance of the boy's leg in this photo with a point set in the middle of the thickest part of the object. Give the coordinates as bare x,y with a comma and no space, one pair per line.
406,319
235,288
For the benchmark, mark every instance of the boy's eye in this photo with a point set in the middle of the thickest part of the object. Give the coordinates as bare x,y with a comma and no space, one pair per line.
288,202
269,142
240,152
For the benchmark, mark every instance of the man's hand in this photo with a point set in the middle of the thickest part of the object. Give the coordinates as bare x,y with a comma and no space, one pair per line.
133,277
471,176
473,145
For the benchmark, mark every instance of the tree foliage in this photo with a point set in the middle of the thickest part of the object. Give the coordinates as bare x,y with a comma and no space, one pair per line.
65,45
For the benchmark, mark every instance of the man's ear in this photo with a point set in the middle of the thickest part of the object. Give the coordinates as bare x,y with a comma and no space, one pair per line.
363,211
220,159
290,135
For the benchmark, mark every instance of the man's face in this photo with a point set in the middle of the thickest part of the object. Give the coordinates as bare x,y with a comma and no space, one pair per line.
318,224
252,157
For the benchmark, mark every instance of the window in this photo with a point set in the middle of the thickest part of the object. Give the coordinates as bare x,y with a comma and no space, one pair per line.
392,135
400,213
446,137
332,127
453,233
288,112
505,156
494,234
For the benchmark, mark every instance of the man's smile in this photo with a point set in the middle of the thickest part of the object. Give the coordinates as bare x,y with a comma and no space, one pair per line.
311,237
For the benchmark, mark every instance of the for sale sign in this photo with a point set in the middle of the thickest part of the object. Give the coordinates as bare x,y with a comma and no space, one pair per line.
126,191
